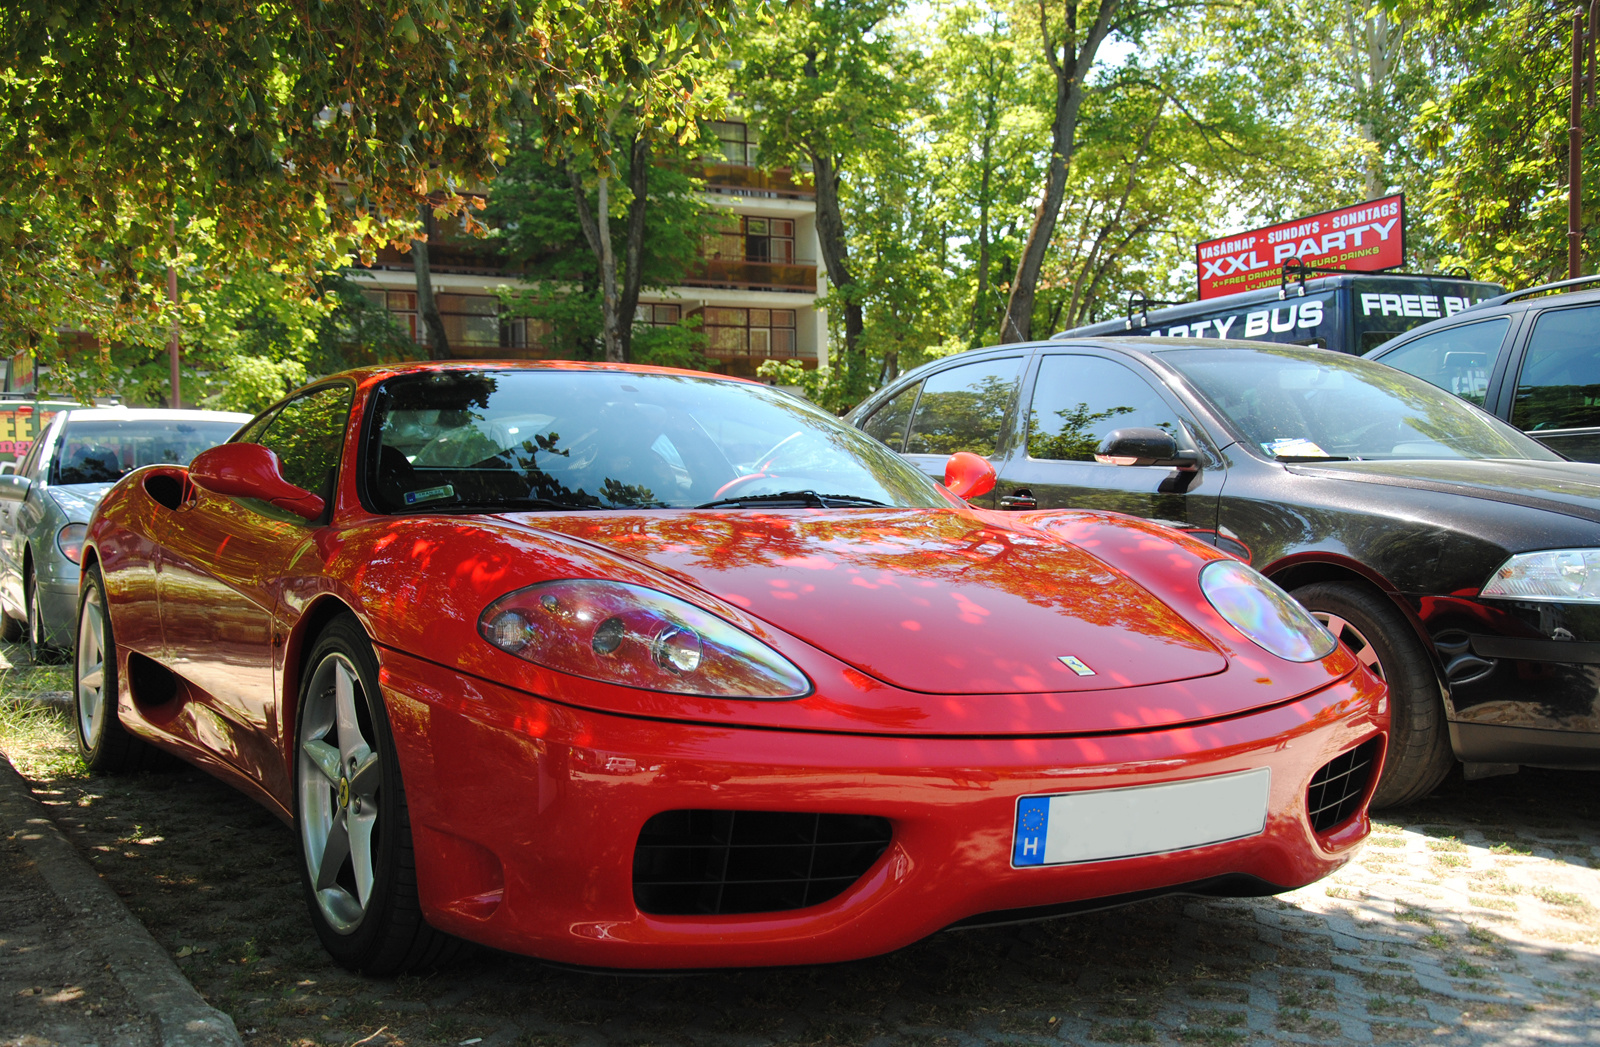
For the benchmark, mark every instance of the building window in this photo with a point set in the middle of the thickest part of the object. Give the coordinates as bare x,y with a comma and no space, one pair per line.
761,333
736,144
469,319
652,315
748,239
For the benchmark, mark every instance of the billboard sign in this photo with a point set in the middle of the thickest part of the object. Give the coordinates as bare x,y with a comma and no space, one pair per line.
1365,237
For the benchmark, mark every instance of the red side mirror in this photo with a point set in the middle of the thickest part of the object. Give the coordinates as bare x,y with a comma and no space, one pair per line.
968,476
251,471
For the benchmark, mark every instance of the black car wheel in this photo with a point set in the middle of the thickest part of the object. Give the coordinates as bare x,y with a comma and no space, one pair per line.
350,810
39,649
1381,639
106,747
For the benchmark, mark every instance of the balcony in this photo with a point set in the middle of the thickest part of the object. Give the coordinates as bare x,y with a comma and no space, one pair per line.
751,181
753,276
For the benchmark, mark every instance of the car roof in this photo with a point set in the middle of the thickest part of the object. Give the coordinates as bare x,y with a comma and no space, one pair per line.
381,371
159,413
1505,305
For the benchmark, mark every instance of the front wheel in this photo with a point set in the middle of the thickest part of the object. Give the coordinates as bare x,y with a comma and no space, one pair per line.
354,828
39,647
1379,636
105,746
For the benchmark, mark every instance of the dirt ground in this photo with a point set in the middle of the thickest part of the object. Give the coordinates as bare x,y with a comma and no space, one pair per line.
1473,917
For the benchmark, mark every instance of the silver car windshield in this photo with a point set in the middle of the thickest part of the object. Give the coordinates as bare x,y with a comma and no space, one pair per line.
1302,405
556,439
101,450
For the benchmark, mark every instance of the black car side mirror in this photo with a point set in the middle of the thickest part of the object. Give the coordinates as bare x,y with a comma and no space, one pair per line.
1144,446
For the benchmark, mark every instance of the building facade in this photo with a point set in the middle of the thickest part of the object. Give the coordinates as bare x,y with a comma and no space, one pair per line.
754,288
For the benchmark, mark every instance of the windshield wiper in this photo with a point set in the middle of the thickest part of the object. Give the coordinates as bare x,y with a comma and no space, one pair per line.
800,498
519,505
1302,459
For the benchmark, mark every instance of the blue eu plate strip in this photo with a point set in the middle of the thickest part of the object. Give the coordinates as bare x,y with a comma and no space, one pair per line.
1033,824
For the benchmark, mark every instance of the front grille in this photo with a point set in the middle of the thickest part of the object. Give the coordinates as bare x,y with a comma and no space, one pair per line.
700,862
1336,790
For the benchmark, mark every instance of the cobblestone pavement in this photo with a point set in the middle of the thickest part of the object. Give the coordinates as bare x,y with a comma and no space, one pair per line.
1471,918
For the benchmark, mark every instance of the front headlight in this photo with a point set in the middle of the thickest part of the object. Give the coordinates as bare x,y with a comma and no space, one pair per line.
1265,613
1564,575
637,637
70,541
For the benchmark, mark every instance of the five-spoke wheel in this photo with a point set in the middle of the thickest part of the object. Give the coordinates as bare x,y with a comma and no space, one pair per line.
350,807
105,747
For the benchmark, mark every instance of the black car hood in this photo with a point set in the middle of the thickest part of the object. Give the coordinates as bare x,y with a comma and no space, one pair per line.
1568,488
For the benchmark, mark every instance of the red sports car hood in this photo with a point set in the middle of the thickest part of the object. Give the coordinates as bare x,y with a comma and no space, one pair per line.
936,602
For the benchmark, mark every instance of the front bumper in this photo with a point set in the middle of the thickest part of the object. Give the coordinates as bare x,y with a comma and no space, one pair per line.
525,815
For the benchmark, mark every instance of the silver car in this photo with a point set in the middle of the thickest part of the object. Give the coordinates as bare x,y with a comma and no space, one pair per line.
46,504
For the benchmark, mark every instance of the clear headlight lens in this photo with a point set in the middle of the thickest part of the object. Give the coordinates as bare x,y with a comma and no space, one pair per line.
70,541
1265,613
1567,575
637,637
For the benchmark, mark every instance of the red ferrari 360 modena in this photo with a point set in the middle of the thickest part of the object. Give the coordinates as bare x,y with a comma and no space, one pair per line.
632,667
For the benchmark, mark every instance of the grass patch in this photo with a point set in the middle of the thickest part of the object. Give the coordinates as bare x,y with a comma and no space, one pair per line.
1448,843
1133,1032
38,738
1386,841
1508,848
1410,915
1486,902
1565,899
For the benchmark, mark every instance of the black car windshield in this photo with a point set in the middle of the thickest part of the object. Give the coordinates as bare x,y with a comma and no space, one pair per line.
1304,404
100,450
554,439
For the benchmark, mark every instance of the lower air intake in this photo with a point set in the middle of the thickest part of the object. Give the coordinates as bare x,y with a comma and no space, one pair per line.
709,862
1336,790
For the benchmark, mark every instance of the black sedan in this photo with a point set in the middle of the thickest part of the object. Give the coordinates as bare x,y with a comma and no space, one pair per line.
1457,557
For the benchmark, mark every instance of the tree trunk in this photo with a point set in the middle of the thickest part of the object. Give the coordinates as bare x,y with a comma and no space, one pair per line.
835,260
596,224
633,252
427,308
1070,69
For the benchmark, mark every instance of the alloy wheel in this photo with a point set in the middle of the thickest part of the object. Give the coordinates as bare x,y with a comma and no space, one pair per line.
1352,638
91,668
339,776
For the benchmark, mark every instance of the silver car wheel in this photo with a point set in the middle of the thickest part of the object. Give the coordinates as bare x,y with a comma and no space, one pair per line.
339,775
1351,637
91,668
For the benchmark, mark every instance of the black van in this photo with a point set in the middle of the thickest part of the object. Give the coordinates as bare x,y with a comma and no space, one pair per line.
1349,312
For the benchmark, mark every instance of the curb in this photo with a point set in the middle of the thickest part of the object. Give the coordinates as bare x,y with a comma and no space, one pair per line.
182,1017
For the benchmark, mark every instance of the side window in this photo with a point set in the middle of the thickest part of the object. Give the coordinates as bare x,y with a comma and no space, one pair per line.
30,464
1559,387
1457,359
963,408
251,434
1077,400
888,423
307,435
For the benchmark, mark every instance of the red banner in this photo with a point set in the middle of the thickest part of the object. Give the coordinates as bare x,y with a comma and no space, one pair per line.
1365,237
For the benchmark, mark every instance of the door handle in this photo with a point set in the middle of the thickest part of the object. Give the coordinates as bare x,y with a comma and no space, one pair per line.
1019,500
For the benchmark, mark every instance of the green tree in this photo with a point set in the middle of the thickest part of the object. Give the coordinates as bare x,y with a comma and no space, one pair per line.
302,131
539,230
822,83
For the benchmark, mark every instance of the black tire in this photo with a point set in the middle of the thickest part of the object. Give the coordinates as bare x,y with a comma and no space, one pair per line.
383,933
39,650
1369,624
104,744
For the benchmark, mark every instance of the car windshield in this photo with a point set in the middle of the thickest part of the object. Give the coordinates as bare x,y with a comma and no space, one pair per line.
101,450
1301,404
553,439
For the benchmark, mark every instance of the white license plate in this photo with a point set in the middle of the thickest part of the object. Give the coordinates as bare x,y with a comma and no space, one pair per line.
1104,824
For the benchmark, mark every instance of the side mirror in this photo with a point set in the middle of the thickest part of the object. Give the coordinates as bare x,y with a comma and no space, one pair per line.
1142,446
968,476
251,471
14,488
